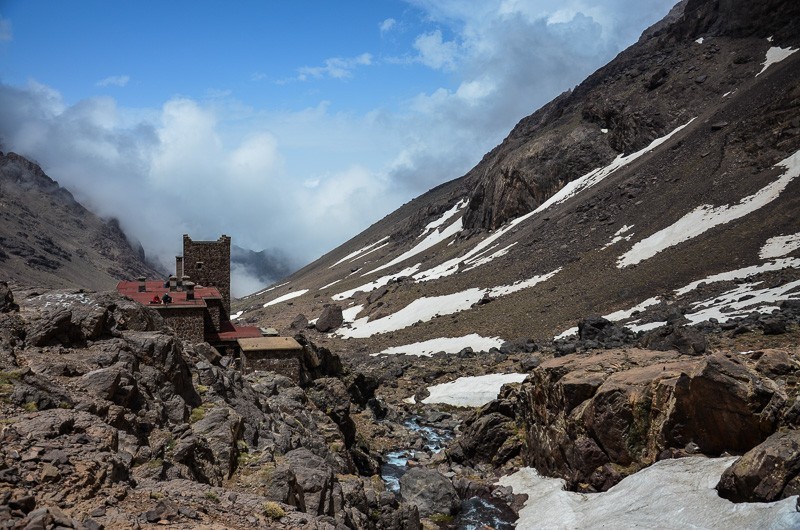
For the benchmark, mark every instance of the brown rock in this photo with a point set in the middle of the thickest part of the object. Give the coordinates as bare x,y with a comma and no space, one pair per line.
767,473
330,319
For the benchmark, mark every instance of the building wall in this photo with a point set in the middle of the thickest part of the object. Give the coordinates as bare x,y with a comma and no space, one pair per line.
187,322
208,263
284,362
213,314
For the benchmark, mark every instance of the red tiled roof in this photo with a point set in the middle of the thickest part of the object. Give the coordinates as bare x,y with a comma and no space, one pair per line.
156,288
229,332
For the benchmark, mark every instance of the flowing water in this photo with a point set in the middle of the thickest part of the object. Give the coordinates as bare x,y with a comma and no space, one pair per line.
476,512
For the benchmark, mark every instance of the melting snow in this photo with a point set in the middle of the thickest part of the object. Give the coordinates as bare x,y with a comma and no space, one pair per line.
775,55
380,282
742,273
443,219
268,289
471,391
675,493
706,217
593,177
567,333
425,308
636,328
619,237
778,246
604,131
334,282
287,296
237,315
477,262
627,313
357,253
350,314
446,344
699,41
742,301
433,239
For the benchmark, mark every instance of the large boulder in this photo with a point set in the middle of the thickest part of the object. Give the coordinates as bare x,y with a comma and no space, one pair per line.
768,472
7,299
330,319
594,419
430,491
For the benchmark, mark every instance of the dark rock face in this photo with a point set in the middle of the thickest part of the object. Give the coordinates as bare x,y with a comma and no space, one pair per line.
330,319
430,491
673,337
587,417
768,472
7,299
106,401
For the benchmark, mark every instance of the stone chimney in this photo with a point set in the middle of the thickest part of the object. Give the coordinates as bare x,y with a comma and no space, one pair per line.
189,288
184,280
142,284
173,283
179,266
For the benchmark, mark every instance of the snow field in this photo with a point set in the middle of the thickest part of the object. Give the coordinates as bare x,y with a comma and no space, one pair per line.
669,494
287,296
357,253
380,282
775,55
706,217
471,391
778,246
445,344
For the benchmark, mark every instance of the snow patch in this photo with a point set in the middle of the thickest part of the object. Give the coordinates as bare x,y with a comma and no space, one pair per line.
471,391
675,493
334,282
380,282
628,313
350,314
425,308
237,315
742,273
699,41
357,253
477,262
604,131
268,289
445,344
618,236
636,328
778,246
433,239
706,217
775,55
568,333
287,296
743,300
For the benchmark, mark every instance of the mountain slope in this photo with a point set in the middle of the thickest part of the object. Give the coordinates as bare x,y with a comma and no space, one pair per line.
47,239
676,162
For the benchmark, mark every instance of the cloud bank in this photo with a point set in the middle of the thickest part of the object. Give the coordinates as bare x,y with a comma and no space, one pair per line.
305,180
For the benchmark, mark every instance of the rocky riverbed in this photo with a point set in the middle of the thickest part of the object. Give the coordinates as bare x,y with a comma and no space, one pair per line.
109,421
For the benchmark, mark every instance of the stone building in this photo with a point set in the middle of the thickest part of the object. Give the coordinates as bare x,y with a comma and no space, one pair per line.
272,354
199,292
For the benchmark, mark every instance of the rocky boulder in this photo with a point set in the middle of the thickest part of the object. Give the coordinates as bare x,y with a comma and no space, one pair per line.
768,472
7,299
330,319
430,491
592,419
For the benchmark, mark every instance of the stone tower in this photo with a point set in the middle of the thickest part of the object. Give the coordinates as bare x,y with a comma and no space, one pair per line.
208,263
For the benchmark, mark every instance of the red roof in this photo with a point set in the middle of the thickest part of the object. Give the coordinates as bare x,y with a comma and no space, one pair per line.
156,288
229,332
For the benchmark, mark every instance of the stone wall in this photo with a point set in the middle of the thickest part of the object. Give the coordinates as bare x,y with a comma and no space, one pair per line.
213,314
187,322
284,362
208,263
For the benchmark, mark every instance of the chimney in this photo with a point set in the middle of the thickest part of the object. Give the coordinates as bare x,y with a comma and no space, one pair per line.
142,284
178,266
184,280
173,283
189,287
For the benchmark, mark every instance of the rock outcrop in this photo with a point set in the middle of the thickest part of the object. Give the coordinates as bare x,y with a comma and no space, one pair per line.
101,401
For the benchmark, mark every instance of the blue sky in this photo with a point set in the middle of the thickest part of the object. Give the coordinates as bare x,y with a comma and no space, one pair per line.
288,125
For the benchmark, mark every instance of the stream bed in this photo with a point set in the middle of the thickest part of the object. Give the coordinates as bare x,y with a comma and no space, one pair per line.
476,512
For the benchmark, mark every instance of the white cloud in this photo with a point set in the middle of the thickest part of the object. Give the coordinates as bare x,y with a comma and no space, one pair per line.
387,25
307,179
435,52
335,67
114,80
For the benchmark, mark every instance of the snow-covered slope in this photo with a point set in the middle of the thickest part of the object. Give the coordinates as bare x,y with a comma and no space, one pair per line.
668,179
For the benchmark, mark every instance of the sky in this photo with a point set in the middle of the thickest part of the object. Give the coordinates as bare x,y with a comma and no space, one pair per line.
290,126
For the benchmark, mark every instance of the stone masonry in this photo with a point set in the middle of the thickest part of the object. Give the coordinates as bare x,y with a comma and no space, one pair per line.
208,263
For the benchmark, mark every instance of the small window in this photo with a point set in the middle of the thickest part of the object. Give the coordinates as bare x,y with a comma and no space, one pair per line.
198,265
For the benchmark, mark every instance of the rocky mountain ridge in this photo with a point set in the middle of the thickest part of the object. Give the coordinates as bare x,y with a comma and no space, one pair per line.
48,239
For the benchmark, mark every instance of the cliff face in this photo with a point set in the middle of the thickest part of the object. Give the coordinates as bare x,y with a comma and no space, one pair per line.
49,239
643,93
